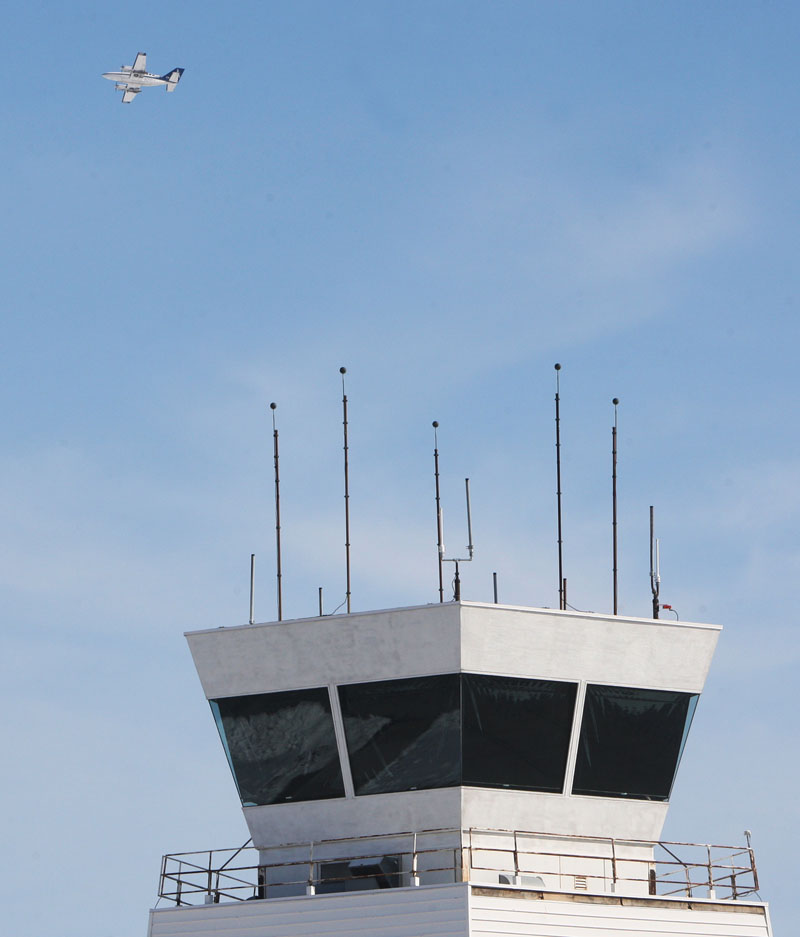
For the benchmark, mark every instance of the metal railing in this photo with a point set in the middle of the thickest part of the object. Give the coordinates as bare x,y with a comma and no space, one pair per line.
484,857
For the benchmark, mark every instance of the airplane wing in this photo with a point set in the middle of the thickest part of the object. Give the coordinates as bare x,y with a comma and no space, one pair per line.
129,94
140,65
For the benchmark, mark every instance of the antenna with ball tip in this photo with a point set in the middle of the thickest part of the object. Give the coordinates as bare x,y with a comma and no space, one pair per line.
615,401
439,543
562,599
343,371
273,406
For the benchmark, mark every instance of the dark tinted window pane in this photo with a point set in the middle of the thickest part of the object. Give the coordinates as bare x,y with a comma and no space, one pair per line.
403,735
516,732
281,746
631,741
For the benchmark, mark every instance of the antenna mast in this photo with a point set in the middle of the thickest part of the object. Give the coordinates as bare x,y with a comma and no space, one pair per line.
562,598
273,407
655,573
439,543
343,371
615,401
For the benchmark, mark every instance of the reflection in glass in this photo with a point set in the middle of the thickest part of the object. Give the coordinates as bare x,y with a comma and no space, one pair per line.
631,741
444,731
403,735
516,732
280,746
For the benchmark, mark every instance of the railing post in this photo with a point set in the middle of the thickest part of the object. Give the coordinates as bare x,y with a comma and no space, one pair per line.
753,869
161,881
261,888
711,892
310,888
414,873
613,864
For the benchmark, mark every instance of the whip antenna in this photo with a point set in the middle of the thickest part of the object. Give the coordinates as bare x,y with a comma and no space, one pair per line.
615,401
439,543
562,599
343,371
273,407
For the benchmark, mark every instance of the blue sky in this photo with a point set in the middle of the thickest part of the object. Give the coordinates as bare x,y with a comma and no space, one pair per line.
447,198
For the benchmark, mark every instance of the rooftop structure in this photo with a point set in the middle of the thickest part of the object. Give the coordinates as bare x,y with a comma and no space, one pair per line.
457,769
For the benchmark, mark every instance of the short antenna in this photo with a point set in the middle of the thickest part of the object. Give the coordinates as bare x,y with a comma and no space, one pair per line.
439,542
252,587
470,549
562,599
655,573
615,401
273,406
343,371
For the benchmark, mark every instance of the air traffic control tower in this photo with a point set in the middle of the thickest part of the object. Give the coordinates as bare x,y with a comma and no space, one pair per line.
457,769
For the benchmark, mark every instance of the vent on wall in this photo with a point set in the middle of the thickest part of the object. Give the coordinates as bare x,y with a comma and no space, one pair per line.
581,883
527,881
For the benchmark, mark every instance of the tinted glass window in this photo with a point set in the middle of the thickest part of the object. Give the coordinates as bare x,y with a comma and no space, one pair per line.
281,746
516,732
403,735
631,741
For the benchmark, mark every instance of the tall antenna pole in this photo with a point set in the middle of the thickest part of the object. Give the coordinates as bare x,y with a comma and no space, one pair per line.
615,401
561,589
273,407
343,371
439,544
655,575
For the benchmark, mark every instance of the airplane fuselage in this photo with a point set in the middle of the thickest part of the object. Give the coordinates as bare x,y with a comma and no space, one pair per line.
140,79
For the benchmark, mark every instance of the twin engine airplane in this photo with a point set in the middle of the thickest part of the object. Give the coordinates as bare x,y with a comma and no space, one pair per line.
133,78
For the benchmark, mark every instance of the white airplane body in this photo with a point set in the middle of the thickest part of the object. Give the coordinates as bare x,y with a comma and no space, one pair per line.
133,78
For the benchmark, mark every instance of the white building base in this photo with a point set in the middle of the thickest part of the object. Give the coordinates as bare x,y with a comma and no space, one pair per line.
464,910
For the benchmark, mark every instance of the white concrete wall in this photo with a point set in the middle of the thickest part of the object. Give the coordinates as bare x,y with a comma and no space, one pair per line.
572,815
640,652
372,815
469,636
311,652
561,863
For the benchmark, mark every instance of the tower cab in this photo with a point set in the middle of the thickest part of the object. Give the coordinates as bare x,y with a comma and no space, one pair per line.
459,769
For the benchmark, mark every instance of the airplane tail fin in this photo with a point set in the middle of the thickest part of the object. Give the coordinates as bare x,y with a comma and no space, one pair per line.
172,78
